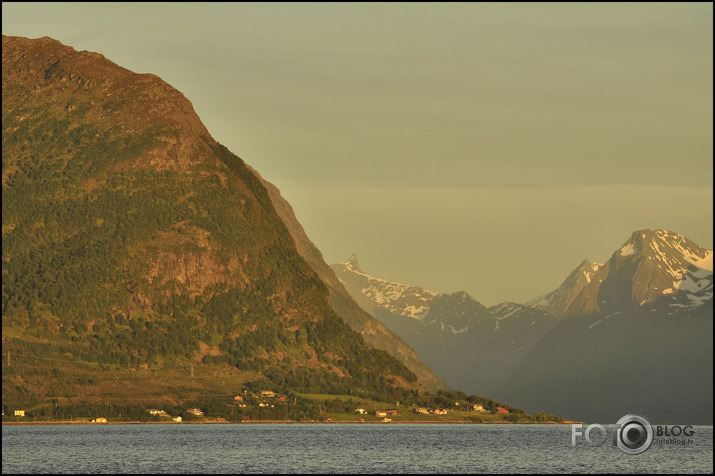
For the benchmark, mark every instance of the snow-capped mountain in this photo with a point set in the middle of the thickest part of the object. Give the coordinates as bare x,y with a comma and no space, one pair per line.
631,335
400,299
635,338
651,268
470,346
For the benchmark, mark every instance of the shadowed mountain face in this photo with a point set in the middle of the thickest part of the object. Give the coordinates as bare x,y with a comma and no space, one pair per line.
636,338
132,238
470,346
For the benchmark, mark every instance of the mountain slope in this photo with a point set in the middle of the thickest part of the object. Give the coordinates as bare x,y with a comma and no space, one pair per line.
636,339
132,239
374,333
467,344
558,301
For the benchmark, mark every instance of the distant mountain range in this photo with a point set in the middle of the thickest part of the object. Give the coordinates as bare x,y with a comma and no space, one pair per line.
627,336
452,333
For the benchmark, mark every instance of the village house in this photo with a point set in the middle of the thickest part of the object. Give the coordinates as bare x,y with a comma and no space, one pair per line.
177,419
502,410
440,411
195,412
267,393
19,412
238,398
391,411
420,411
380,413
154,411
478,408
361,411
99,420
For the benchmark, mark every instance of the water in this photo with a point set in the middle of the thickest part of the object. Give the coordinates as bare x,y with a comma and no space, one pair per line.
333,448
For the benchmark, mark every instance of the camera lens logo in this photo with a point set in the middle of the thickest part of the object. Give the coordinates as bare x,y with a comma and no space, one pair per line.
634,434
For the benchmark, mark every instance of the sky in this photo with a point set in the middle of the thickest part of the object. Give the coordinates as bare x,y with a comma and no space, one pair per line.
479,147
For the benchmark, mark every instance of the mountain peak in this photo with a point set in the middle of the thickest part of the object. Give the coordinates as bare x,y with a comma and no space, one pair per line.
353,264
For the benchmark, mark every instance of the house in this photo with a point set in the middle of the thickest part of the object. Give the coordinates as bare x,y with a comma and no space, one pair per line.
420,411
440,412
238,398
478,408
195,412
380,413
502,410
154,411
267,393
99,420
177,419
262,404
361,411
19,412
391,411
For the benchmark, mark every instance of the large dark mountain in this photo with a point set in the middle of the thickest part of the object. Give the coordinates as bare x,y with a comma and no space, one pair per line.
133,241
470,346
637,337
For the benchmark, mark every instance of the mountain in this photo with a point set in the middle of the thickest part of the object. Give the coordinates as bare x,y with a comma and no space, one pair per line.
470,346
636,337
138,252
558,301
375,333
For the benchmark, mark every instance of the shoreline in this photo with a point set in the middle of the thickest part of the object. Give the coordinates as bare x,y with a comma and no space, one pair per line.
269,422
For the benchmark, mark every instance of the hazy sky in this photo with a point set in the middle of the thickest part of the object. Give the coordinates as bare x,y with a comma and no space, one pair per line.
485,147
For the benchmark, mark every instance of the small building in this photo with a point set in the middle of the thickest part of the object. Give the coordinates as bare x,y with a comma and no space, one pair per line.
502,410
420,411
380,413
391,411
99,420
195,412
478,408
267,393
262,404
177,419
361,411
439,411
19,412
154,411
238,398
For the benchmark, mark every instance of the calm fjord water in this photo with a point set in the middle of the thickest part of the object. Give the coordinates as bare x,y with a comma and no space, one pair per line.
333,448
